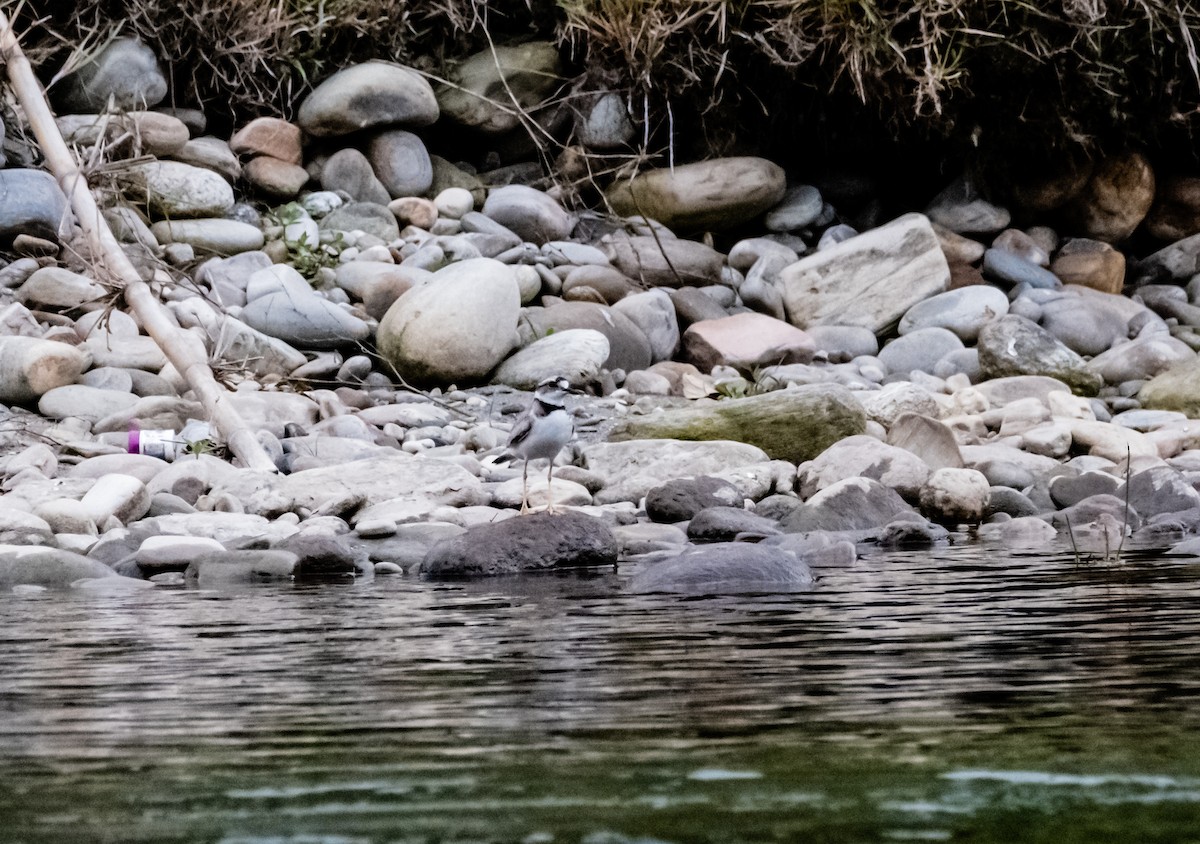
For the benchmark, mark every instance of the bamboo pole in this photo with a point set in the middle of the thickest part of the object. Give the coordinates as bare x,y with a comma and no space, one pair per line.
183,349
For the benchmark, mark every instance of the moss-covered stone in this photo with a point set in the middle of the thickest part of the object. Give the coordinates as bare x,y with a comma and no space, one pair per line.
794,425
1176,389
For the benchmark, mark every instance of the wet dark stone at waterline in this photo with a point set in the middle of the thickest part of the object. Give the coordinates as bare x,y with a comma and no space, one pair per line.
726,568
531,543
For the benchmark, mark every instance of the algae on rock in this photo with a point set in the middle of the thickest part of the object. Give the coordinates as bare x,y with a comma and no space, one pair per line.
795,424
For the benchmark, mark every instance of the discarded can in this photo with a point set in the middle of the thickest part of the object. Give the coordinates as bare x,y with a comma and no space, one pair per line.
156,442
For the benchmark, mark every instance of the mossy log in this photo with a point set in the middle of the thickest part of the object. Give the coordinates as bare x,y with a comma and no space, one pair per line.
795,424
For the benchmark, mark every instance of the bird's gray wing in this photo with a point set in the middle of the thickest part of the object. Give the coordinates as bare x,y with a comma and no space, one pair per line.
520,431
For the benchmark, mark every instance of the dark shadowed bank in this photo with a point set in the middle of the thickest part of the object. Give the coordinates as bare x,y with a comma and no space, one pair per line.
996,85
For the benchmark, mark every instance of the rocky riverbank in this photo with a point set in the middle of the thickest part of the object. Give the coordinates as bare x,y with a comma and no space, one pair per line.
773,374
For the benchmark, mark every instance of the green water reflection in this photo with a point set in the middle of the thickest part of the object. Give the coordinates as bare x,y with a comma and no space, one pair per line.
909,699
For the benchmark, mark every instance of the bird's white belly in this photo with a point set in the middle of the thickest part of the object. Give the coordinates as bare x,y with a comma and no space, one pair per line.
548,436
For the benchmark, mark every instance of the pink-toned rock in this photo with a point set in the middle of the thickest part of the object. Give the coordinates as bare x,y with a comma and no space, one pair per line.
1090,263
269,136
1176,211
1115,200
414,211
275,177
1023,246
745,341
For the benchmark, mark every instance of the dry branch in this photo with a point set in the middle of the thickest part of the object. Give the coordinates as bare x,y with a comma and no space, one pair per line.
185,351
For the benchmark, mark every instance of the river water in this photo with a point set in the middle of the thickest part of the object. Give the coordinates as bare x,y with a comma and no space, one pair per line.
956,695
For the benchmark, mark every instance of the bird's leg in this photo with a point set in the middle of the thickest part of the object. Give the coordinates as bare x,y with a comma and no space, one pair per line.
525,488
550,487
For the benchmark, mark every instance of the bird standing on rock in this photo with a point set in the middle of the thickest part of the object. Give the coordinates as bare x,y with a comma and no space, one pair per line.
541,432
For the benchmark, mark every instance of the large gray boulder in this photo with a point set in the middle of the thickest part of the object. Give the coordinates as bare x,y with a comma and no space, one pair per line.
852,504
486,84
374,93
1014,345
125,69
795,424
531,543
31,202
53,568
720,193
170,189
870,280
456,327
867,457
631,469
726,568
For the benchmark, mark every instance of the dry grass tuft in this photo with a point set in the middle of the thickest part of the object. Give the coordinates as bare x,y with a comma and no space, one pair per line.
1015,76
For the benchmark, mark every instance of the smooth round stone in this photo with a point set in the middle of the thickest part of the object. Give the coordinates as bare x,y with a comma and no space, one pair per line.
31,367
1011,269
1176,211
963,311
457,327
961,209
401,162
920,350
1141,359
486,84
1090,263
798,209
173,189
279,179
280,303
577,354
374,93
1116,199
746,253
1023,246
847,341
955,495
628,347
960,362
707,195
891,401
644,382
366,217
957,248
33,204
667,262
414,211
66,515
745,341
85,402
604,123
157,134
121,496
1083,324
350,171
834,235
653,313
569,252
58,288
693,305
165,552
271,136
125,69
454,202
216,235
108,378
531,214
